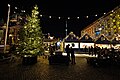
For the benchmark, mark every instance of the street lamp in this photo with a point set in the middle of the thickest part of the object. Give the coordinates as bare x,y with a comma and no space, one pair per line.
66,28
7,28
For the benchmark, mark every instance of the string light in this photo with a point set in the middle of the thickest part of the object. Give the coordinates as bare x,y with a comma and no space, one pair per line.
96,15
14,12
41,15
104,13
77,17
87,16
68,17
49,16
59,17
8,5
22,10
16,8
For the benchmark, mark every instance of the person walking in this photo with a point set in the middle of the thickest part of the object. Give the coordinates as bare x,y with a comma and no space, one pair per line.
72,54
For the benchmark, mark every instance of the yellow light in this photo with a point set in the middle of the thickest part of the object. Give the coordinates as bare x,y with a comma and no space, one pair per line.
118,22
115,30
25,27
114,26
118,27
10,35
113,20
112,11
111,14
33,26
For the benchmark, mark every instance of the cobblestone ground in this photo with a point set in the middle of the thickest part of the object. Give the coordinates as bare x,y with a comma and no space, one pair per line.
43,71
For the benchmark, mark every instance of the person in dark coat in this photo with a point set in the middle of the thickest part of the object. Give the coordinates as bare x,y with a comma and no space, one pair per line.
12,48
89,49
68,51
51,50
85,49
72,54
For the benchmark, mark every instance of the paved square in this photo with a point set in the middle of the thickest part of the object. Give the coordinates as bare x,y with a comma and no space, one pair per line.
43,71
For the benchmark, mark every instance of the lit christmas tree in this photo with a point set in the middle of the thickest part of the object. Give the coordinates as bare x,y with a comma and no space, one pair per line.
31,36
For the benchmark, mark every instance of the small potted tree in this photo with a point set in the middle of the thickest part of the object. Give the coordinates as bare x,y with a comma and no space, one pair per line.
31,38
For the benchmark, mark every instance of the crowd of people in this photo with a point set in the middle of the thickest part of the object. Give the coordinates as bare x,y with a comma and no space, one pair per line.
97,51
109,55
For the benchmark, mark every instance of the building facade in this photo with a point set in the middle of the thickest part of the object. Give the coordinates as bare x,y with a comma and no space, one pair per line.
108,24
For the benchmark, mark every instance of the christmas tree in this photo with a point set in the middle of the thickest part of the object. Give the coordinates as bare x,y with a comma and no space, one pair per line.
31,36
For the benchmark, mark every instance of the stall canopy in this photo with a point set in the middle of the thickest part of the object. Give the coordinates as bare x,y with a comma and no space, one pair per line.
102,40
71,38
86,39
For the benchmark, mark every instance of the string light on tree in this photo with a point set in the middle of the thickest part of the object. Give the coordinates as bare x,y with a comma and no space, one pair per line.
31,37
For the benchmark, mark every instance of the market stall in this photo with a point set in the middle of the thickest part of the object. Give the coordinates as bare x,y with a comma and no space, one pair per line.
85,42
71,39
103,42
115,43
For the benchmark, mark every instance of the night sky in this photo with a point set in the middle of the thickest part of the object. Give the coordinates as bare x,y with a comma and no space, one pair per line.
64,9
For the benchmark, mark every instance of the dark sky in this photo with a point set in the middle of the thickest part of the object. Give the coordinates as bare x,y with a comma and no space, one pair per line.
64,9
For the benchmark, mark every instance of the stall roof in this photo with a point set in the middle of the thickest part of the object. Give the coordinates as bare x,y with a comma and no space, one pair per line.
71,38
115,41
102,40
86,38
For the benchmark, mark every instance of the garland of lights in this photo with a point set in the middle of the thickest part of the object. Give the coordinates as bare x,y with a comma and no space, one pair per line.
60,17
